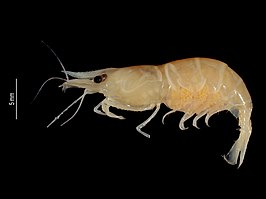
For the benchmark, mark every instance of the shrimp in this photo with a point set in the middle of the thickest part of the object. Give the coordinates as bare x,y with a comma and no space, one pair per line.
195,86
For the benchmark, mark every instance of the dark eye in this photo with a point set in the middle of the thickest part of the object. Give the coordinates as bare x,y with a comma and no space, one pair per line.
99,78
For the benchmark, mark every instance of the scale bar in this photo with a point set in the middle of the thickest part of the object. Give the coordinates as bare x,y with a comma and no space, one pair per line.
16,98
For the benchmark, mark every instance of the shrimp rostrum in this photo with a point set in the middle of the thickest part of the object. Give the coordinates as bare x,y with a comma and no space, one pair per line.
195,86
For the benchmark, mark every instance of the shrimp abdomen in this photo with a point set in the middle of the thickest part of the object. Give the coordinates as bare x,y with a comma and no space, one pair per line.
205,86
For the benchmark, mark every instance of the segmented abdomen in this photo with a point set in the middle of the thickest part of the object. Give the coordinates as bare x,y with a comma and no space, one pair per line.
199,85
204,87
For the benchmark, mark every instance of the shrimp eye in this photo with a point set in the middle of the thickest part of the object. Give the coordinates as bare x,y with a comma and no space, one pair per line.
99,78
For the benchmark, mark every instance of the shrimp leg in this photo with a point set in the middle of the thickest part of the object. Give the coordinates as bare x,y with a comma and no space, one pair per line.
170,112
209,114
96,109
106,106
197,118
139,127
183,119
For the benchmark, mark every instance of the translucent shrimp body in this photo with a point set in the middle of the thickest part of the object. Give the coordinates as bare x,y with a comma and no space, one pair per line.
195,86
204,86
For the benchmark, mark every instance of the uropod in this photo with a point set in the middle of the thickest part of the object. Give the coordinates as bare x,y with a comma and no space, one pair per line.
196,86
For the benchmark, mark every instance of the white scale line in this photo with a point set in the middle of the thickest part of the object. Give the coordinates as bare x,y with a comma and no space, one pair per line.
16,98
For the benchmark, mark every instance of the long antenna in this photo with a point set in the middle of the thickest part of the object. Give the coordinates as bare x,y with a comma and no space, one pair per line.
64,70
44,84
56,58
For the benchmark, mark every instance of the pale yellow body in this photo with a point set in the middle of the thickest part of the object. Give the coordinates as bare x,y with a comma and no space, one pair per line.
195,86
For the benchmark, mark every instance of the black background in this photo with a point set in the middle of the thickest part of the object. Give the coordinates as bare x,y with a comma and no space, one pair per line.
93,151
